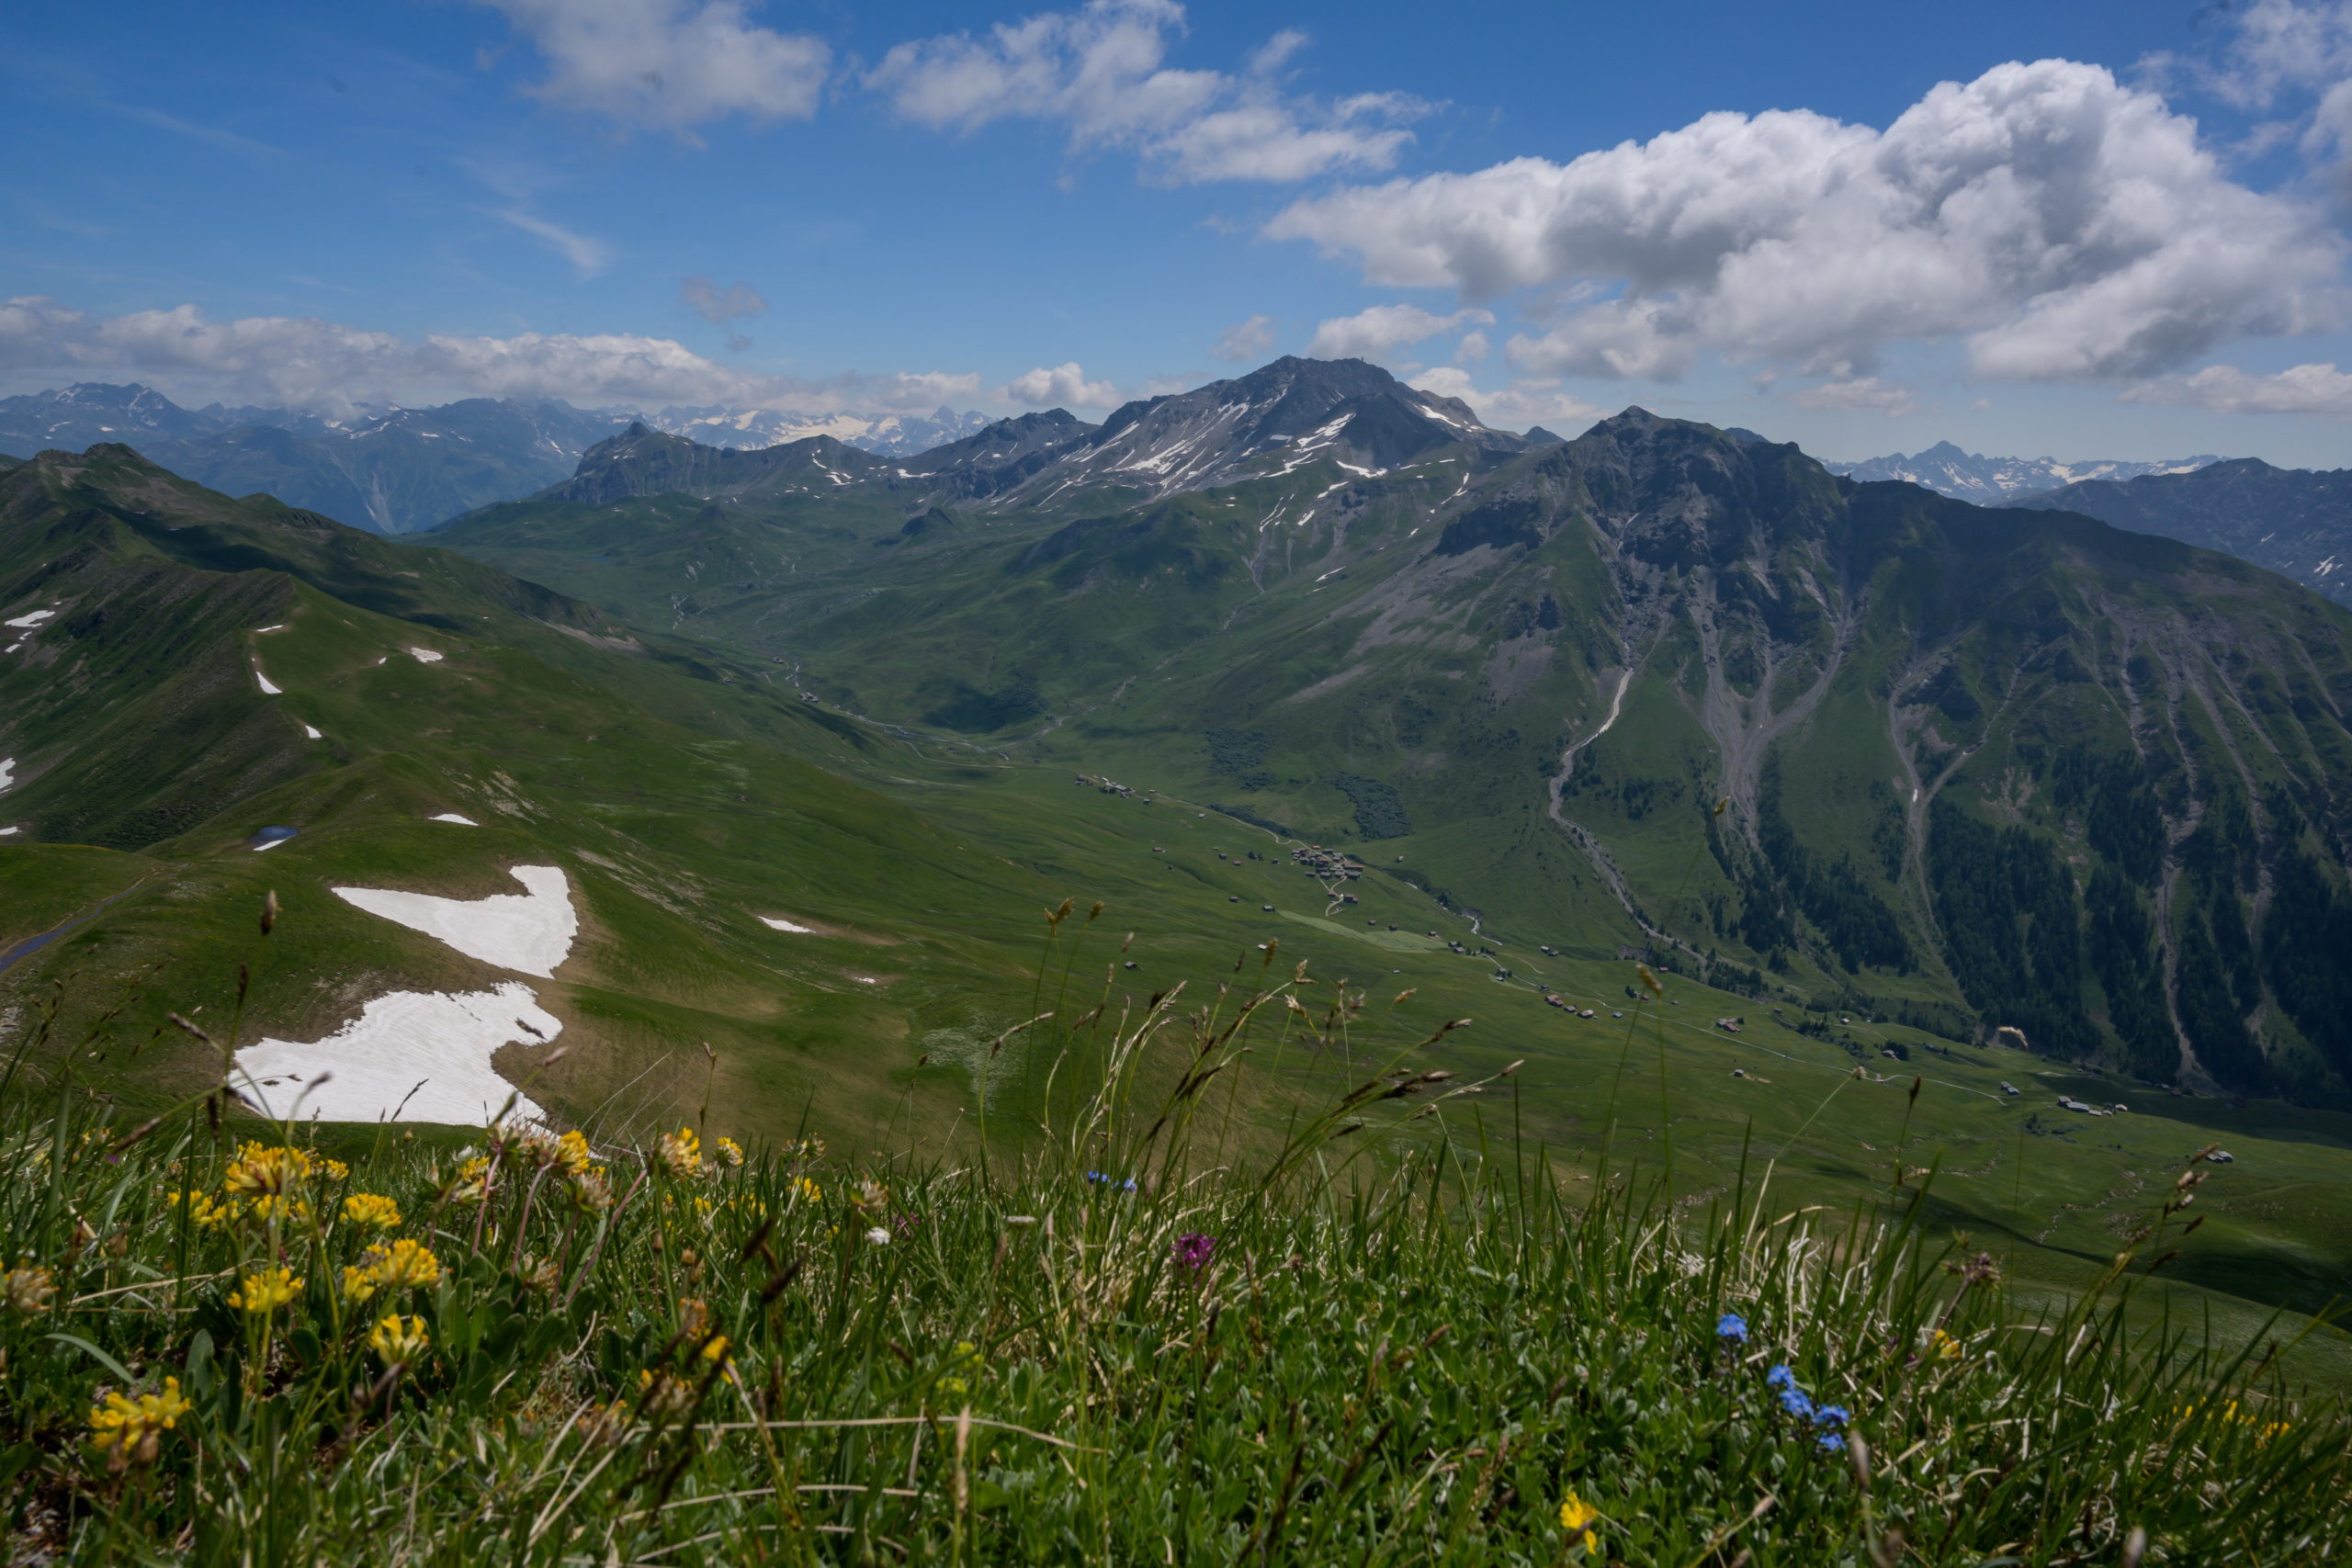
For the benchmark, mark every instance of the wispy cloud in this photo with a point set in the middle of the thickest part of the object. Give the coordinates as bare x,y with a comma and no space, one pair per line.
713,303
312,363
212,135
587,255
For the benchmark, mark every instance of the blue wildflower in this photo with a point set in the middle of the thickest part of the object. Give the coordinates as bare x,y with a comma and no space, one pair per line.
1795,1401
1832,1443
1831,1416
1780,1377
1732,1327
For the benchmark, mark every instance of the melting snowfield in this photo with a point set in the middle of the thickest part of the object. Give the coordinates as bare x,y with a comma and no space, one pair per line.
424,656
530,933
7,772
780,925
453,817
436,1044
26,622
268,687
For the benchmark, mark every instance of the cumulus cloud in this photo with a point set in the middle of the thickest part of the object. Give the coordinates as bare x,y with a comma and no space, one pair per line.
1245,340
2225,389
1375,333
1865,394
2064,226
312,363
712,303
1063,385
1516,407
1101,72
670,64
588,256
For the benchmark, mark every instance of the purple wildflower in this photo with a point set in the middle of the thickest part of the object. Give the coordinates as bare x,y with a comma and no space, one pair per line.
1193,1249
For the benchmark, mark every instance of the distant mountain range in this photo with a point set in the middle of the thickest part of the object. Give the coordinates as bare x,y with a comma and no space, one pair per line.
397,471
2297,522
1966,476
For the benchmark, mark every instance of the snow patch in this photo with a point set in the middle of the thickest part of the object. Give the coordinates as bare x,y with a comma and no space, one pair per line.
453,817
446,1040
424,656
311,731
530,931
270,845
9,832
783,925
260,631
268,688
7,772
26,622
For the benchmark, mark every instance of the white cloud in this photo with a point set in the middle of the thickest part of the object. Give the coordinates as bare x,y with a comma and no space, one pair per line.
1372,333
670,64
1100,71
1516,407
1064,384
1245,340
2296,57
588,256
2225,389
713,303
317,364
1863,394
2064,226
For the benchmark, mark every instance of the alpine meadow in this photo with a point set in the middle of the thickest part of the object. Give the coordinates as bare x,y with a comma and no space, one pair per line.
628,939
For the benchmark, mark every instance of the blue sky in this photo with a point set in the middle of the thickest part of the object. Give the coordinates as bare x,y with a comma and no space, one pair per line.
2089,231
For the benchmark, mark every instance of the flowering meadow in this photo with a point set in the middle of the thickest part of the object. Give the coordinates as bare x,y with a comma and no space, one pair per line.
1099,1340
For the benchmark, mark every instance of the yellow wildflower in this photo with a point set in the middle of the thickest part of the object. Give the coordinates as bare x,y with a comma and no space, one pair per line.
731,1151
266,1292
28,1288
807,1191
369,1209
470,1183
271,1207
204,1210
572,1153
336,1170
1578,1517
1943,1346
130,1430
398,1341
681,1152
589,1190
403,1265
715,1348
258,1170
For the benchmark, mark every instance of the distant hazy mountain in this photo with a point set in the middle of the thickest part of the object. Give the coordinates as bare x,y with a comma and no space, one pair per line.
2297,522
398,471
1966,476
891,434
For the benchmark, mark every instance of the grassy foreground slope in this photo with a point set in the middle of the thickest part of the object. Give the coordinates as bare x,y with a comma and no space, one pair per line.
686,796
1133,1344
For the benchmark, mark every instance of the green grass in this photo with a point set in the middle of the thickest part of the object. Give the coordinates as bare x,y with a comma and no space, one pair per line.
1349,1311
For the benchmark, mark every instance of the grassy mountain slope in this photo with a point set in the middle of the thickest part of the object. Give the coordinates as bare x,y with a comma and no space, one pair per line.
2127,756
